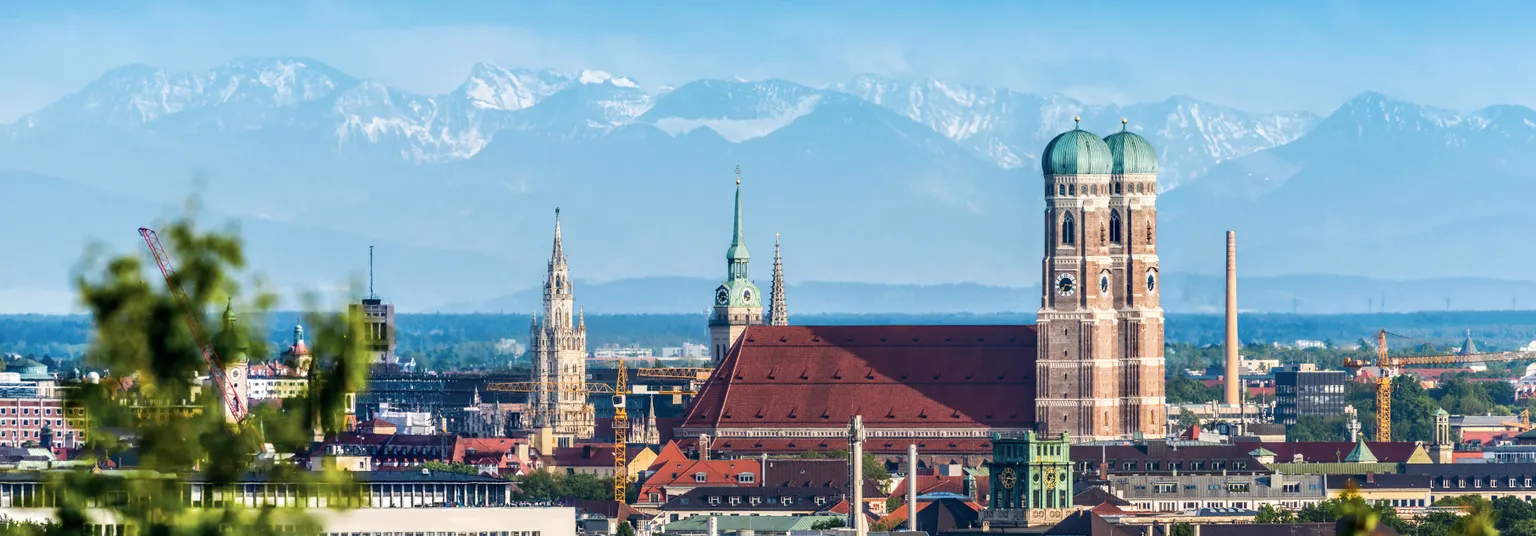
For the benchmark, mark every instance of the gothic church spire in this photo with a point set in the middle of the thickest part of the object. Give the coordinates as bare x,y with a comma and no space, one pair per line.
778,315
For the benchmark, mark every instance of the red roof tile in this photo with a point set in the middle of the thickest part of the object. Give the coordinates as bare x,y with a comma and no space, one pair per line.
895,376
716,473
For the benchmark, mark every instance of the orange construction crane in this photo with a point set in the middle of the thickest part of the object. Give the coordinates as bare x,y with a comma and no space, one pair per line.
233,410
1391,366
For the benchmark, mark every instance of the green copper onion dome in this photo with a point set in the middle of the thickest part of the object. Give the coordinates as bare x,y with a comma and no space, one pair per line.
1075,152
1130,153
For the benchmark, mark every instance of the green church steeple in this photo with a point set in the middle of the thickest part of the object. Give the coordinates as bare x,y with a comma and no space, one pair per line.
736,256
738,290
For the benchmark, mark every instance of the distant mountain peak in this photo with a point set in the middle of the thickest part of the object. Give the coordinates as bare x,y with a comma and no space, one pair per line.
591,76
490,86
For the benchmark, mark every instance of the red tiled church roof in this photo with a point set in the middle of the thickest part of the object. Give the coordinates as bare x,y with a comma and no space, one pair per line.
895,376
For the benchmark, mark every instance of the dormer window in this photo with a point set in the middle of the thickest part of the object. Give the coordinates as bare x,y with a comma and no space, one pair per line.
714,501
735,501
786,500
756,501
746,478
700,477
821,500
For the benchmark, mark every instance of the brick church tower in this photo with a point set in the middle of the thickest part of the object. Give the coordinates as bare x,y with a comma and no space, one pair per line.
1100,353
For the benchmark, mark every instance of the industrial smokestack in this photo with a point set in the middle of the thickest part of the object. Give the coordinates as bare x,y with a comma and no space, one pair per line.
912,487
1234,378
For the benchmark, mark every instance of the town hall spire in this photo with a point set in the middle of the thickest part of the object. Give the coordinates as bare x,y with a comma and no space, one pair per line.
778,315
559,351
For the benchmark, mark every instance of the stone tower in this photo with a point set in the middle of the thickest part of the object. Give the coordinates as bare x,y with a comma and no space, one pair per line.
559,352
1083,380
231,346
778,313
738,303
1134,282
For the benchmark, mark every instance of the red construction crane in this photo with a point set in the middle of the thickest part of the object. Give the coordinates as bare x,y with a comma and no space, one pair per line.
233,410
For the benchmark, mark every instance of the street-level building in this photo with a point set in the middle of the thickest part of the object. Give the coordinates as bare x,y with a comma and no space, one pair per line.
388,502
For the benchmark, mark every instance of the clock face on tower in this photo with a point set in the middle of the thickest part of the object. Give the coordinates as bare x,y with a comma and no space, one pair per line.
746,295
1065,285
722,296
1007,478
1151,280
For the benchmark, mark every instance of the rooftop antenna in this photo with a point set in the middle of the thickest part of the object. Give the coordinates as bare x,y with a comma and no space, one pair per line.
371,295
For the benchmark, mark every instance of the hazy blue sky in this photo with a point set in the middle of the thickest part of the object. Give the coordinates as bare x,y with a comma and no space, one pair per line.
1252,55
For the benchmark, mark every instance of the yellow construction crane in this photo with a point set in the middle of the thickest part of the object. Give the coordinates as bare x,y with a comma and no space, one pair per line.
619,390
1391,366
676,373
620,434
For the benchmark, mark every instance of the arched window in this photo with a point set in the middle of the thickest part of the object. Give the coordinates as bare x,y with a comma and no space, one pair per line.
1061,189
1114,226
1068,230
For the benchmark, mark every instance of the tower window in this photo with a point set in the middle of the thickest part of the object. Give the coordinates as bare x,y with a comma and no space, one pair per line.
1072,189
1061,189
1114,227
1068,230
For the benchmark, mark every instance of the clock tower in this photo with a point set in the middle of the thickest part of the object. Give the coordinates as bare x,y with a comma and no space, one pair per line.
738,302
1078,377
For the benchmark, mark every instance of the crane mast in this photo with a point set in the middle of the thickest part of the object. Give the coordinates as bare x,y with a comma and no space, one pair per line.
233,410
620,434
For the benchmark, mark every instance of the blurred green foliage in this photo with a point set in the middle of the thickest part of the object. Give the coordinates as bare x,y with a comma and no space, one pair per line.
156,407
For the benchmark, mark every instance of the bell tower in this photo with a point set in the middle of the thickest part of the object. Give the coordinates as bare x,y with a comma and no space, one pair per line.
738,302
1135,282
1079,371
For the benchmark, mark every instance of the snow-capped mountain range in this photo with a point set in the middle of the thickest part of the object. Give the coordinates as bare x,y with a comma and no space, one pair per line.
999,125
874,180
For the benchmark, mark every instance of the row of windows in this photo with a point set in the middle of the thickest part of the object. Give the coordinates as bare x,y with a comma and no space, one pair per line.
753,501
439,533
1480,482
1199,465
31,411
1093,189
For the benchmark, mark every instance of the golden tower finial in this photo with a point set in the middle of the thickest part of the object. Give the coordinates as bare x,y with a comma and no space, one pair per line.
1075,120
1123,121
738,175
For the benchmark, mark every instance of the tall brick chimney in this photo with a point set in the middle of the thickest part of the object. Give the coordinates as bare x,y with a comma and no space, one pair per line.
1233,375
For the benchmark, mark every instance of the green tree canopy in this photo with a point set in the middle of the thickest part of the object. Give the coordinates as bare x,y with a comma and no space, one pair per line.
176,424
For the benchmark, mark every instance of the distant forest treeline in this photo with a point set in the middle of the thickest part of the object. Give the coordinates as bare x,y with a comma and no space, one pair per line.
449,340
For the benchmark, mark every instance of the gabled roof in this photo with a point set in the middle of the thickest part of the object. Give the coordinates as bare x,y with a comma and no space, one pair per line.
669,454
895,376
1335,451
827,473
1097,495
1084,523
716,473
1361,454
